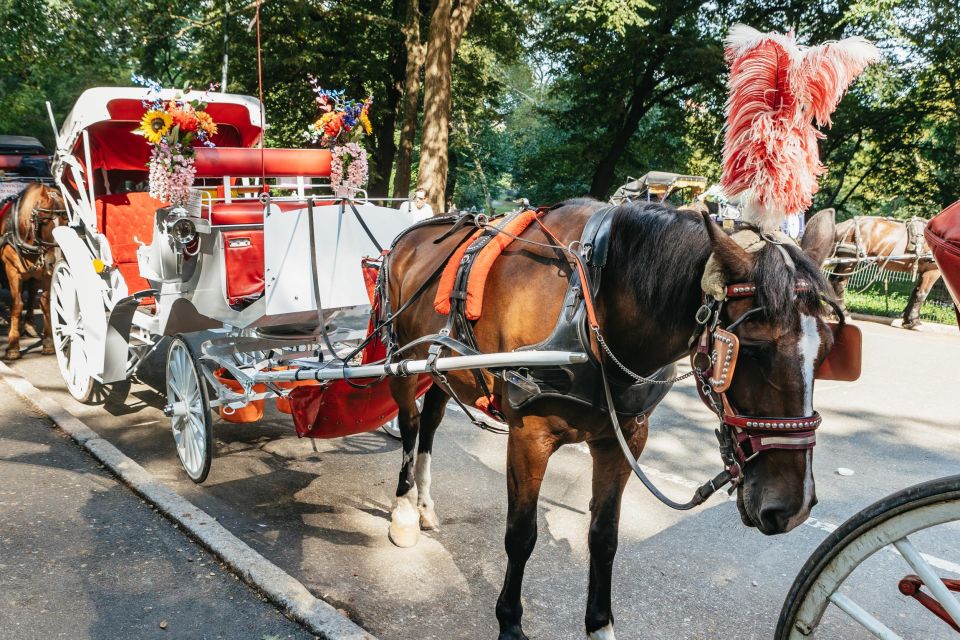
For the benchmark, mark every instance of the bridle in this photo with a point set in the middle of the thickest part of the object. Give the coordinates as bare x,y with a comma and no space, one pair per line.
714,362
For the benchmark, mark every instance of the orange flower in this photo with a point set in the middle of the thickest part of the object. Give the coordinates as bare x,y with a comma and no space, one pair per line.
184,117
331,123
206,123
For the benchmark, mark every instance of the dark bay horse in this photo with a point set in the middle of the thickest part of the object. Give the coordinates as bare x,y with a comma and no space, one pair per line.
28,254
876,237
646,306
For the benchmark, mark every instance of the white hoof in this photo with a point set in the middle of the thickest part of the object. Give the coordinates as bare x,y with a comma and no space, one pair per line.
404,525
605,633
428,519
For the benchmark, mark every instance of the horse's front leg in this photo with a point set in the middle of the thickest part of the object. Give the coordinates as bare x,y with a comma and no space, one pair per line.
405,519
610,474
434,406
529,447
16,308
45,310
911,313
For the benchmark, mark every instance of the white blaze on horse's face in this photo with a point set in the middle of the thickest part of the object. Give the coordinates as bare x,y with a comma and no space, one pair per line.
809,347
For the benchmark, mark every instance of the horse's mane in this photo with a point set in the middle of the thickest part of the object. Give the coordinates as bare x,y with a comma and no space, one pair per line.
660,252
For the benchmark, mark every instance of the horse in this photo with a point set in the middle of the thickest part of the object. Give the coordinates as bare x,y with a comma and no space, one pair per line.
647,311
880,238
28,253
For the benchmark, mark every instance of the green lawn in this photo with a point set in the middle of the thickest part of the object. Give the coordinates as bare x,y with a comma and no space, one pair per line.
873,301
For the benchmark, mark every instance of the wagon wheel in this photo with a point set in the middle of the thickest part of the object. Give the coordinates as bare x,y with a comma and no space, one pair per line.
69,340
188,407
887,523
392,427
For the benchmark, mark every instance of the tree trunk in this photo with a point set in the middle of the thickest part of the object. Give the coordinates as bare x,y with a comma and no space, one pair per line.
386,149
447,25
411,99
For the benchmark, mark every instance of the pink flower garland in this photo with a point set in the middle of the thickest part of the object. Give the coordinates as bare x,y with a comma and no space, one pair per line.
171,174
349,159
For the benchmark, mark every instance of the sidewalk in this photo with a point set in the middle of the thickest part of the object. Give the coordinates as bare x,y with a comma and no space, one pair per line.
82,557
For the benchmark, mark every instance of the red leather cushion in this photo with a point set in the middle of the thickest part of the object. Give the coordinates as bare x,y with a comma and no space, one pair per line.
243,264
943,236
249,211
121,218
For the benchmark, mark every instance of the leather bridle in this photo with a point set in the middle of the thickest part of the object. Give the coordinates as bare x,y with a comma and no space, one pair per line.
714,364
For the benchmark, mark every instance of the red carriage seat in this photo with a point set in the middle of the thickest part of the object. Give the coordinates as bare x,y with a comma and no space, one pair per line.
943,236
125,218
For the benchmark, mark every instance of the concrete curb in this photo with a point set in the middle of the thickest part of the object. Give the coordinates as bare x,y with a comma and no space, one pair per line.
926,327
282,589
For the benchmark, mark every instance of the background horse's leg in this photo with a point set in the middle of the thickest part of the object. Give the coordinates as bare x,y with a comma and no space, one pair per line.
610,475
434,406
45,310
529,447
16,308
29,326
405,519
911,314
839,284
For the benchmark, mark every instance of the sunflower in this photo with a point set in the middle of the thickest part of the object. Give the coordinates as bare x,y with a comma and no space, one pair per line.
154,125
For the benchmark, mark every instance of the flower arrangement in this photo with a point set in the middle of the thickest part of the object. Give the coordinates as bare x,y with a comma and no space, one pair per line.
340,128
173,127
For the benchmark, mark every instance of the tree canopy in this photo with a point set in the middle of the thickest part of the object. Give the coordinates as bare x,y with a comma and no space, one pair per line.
547,99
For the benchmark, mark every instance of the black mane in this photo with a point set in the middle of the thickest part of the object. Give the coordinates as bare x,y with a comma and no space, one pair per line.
660,252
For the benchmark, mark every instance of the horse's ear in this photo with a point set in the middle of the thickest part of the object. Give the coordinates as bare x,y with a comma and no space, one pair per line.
818,236
736,262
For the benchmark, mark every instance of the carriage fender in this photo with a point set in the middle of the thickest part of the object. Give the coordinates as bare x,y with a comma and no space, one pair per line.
87,281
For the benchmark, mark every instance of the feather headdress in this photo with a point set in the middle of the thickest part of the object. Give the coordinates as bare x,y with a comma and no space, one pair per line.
777,90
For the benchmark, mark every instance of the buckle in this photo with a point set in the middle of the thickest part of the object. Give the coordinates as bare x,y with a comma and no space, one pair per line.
703,314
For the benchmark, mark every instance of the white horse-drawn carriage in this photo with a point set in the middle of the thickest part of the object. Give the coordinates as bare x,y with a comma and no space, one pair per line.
264,257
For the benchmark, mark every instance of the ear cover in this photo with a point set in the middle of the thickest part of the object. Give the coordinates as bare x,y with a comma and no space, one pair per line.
845,358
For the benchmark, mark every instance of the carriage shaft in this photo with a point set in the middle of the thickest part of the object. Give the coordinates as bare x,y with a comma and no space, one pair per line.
416,367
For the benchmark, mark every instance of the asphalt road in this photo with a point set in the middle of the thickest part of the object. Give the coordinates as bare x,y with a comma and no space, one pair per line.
322,515
82,557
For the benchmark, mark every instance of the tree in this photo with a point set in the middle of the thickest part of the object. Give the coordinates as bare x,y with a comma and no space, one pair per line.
447,26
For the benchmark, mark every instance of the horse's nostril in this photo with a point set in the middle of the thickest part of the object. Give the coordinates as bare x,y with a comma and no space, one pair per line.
774,519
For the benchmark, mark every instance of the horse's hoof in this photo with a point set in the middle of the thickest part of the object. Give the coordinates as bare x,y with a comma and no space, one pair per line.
516,633
12,354
48,350
428,519
404,525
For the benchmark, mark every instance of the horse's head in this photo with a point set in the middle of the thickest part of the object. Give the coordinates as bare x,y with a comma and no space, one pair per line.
783,338
49,211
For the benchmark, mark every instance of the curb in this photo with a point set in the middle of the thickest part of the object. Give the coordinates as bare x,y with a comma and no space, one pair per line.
926,327
285,591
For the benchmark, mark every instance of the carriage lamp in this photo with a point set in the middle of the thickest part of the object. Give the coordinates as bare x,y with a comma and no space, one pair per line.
183,231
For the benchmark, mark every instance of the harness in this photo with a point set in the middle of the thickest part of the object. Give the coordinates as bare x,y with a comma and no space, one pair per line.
622,392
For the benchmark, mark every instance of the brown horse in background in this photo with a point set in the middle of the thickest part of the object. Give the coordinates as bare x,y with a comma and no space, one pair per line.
877,237
646,308
28,255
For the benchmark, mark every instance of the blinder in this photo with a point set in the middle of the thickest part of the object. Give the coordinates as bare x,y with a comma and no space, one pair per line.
714,362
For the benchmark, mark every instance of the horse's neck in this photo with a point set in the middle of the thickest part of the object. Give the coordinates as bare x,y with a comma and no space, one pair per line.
646,339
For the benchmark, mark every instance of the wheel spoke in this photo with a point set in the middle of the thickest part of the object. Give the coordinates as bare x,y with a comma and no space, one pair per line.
859,614
930,578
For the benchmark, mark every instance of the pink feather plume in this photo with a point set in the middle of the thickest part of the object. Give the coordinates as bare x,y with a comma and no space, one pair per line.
777,89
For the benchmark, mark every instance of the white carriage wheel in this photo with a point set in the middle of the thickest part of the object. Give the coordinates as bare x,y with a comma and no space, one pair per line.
392,426
886,523
189,411
69,340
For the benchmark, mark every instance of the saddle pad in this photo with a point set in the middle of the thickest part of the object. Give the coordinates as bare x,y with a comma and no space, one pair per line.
481,265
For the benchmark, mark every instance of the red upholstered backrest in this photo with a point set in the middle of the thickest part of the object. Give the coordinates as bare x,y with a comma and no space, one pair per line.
217,162
124,219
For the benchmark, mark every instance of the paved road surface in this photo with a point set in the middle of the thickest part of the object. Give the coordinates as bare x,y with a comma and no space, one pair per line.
82,557
322,516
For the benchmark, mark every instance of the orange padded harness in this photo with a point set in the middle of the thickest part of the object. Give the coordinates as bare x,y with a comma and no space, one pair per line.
481,265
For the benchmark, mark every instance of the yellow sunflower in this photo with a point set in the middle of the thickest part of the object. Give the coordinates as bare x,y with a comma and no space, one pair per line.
154,125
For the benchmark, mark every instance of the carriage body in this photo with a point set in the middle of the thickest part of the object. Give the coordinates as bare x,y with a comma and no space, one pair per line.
661,186
254,262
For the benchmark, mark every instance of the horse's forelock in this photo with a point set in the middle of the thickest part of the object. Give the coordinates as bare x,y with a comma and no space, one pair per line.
776,280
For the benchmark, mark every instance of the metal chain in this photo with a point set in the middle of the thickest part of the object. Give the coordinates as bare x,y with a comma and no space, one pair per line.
630,373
